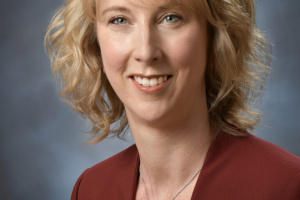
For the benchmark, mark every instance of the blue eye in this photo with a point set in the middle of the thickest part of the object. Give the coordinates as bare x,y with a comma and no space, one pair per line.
118,20
172,18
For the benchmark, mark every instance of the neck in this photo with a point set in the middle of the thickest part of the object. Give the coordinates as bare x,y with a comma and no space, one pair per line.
171,155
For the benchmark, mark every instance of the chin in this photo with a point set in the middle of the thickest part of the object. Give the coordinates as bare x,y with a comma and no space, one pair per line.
151,116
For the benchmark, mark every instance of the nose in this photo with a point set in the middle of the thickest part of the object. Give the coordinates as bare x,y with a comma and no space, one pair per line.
147,46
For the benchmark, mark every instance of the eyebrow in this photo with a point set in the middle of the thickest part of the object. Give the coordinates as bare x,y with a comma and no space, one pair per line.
115,8
124,9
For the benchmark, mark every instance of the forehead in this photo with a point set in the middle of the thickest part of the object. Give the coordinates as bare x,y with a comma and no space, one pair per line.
188,5
159,3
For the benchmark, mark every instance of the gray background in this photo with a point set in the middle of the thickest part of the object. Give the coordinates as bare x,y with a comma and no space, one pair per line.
43,147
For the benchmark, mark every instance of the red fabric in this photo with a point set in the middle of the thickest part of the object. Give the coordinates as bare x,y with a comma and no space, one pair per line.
236,168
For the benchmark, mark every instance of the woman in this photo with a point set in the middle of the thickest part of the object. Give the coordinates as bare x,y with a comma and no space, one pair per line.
182,75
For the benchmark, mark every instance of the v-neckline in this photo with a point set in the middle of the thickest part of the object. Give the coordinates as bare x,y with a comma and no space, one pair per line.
196,191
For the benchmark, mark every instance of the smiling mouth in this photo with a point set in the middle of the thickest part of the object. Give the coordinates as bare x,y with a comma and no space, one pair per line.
151,82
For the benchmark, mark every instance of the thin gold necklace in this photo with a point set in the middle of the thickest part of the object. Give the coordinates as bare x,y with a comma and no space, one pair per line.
185,185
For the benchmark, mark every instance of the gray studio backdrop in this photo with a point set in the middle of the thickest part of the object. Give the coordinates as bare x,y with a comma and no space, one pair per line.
43,147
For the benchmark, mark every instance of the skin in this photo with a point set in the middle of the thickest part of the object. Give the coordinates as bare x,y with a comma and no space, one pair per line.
170,126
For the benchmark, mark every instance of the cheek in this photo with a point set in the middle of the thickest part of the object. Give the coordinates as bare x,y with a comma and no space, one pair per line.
189,57
113,58
189,49
113,52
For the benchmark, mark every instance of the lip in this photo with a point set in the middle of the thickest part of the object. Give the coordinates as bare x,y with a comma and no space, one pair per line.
149,89
150,76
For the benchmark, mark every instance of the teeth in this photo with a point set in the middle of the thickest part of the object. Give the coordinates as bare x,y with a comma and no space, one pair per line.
140,80
153,82
150,82
145,82
160,80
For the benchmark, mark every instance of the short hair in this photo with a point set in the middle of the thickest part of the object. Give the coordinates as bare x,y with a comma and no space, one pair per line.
237,65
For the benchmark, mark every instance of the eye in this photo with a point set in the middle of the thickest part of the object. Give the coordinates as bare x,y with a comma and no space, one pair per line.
171,18
118,20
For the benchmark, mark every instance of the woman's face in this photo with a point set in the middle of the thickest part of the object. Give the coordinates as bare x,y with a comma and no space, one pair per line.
154,57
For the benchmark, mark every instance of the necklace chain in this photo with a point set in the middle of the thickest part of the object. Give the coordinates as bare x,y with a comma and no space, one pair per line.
185,185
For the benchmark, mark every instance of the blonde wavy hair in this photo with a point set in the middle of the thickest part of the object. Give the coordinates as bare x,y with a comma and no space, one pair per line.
238,64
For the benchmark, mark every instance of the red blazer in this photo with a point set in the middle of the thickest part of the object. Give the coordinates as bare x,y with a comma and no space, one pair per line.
236,168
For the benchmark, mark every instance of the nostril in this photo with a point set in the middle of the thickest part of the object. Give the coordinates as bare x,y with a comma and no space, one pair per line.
147,53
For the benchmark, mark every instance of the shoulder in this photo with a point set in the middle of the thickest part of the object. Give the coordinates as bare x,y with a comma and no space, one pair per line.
259,169
276,167
278,170
262,152
253,152
115,173
118,162
254,149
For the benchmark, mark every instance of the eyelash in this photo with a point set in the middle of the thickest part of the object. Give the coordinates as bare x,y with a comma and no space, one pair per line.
171,15
113,20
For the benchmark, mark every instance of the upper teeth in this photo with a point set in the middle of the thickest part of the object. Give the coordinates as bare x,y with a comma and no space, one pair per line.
150,82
